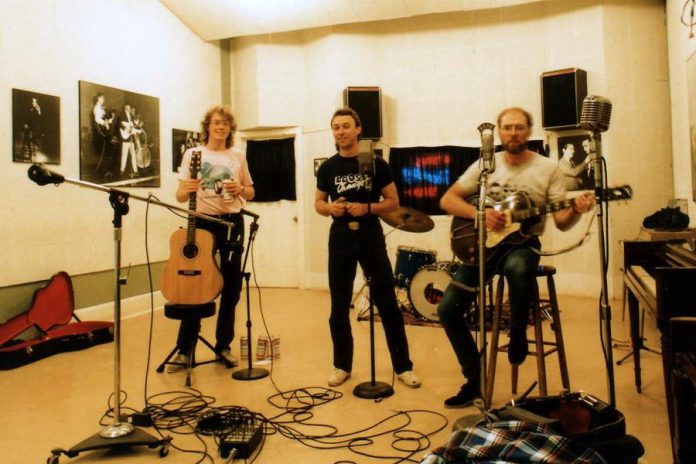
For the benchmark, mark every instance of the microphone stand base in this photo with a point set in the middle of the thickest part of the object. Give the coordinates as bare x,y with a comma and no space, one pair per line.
373,390
251,373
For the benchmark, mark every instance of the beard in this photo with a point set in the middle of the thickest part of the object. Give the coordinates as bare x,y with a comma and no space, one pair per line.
515,148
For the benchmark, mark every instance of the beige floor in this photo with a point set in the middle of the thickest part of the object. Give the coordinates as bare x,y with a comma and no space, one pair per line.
58,401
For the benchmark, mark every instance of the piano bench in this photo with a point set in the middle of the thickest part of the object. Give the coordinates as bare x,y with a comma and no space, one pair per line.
543,309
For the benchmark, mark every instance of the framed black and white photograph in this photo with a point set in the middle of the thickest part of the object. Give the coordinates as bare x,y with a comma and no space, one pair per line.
318,162
119,137
574,161
182,140
35,127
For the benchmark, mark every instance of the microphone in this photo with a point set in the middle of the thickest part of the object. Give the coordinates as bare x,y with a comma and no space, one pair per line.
595,116
596,113
42,176
366,164
249,213
487,146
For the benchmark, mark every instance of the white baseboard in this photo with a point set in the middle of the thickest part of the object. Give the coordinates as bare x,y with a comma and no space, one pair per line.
130,307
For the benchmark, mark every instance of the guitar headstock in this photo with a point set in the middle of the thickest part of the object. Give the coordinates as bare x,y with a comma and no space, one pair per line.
195,166
624,192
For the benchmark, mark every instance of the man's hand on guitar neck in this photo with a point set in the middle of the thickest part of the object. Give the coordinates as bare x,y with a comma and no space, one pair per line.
584,203
568,217
186,187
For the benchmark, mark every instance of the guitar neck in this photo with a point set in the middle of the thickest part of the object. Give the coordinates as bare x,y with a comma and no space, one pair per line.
191,228
535,211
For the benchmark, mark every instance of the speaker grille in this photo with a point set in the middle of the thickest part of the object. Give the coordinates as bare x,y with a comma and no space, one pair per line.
562,93
367,102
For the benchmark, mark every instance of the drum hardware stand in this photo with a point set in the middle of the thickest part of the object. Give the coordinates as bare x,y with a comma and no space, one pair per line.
250,373
118,434
372,389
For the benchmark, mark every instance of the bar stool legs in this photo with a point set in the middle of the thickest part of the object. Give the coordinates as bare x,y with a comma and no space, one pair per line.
542,309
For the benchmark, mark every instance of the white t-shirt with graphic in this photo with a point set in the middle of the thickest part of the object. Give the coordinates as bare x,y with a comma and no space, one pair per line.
540,178
216,167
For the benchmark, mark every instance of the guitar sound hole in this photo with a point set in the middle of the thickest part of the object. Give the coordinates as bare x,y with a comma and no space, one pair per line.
190,250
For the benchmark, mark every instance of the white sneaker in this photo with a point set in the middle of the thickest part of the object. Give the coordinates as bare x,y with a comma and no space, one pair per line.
337,377
179,363
228,358
409,378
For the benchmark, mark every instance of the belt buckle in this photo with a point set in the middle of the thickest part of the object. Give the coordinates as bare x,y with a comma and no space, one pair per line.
353,225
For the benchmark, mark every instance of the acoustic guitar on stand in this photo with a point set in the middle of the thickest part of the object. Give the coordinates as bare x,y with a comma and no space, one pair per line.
520,214
191,276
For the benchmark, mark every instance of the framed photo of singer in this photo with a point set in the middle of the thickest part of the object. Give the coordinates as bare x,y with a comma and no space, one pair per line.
574,161
119,137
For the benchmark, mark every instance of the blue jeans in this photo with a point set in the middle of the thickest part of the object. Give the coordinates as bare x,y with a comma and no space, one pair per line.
518,265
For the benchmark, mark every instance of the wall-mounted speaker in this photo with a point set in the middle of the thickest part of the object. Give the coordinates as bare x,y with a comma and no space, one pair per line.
367,102
562,93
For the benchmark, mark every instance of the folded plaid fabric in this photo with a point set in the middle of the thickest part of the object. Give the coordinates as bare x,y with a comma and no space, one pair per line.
511,442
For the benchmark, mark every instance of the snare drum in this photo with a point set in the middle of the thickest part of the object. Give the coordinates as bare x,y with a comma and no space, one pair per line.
428,286
408,261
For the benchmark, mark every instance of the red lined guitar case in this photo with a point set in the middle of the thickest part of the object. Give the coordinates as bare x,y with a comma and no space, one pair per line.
51,310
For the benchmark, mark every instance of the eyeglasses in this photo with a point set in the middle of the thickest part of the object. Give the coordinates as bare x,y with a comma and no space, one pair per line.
514,127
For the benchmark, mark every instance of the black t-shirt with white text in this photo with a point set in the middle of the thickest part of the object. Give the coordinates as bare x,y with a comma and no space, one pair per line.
339,176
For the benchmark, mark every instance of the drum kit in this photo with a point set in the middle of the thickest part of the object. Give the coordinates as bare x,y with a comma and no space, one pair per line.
417,271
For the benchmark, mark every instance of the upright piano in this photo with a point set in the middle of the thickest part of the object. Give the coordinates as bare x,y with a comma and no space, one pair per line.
660,278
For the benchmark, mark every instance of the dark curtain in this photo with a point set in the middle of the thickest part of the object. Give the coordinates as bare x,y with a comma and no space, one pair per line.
423,174
272,167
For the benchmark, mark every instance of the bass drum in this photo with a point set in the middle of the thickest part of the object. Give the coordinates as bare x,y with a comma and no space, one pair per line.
428,286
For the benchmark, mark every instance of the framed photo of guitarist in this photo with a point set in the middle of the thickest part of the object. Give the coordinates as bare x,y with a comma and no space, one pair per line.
35,127
119,137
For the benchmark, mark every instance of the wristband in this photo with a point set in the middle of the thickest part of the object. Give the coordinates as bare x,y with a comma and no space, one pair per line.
369,208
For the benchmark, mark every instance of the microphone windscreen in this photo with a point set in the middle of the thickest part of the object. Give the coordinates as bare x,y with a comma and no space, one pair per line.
596,113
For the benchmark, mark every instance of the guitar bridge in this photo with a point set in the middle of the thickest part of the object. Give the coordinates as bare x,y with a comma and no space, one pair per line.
190,273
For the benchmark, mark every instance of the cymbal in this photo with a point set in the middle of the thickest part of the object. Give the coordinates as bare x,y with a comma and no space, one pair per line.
409,220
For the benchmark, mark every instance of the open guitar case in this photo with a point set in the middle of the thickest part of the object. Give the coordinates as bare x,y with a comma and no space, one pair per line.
48,321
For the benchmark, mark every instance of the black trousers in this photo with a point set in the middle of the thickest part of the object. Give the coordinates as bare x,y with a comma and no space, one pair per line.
230,250
366,246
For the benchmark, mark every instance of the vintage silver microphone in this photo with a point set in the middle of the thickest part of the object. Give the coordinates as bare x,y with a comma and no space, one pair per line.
596,113
487,147
595,117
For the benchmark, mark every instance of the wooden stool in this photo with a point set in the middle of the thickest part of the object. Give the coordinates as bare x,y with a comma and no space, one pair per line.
187,312
542,309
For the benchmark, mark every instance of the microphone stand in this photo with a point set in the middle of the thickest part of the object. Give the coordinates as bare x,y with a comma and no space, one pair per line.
250,373
372,389
604,307
118,434
481,236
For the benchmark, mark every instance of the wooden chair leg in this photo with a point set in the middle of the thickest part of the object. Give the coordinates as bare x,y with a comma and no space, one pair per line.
558,332
539,343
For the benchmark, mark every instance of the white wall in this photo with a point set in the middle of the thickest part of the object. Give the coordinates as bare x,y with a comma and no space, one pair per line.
442,75
681,47
134,45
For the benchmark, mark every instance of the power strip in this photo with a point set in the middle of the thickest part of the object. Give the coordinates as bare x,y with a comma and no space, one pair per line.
243,440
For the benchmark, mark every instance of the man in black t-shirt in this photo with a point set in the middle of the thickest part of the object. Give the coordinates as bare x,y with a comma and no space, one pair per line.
354,199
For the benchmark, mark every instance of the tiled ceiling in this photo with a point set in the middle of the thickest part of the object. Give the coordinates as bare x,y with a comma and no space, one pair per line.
222,19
